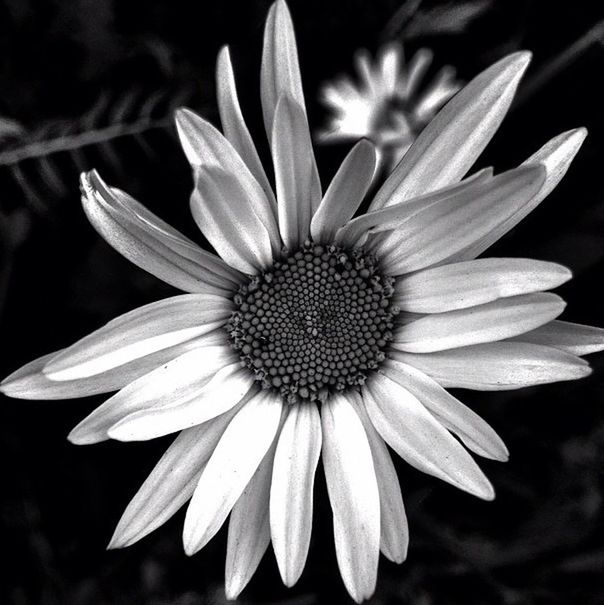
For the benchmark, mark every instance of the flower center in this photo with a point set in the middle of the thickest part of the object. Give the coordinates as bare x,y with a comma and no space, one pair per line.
317,322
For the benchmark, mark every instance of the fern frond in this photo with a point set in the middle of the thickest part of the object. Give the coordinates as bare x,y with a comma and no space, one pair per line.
44,161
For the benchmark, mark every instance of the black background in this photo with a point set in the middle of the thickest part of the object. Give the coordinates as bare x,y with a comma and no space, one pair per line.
74,75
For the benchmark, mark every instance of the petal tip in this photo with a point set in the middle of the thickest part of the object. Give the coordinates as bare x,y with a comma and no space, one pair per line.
486,492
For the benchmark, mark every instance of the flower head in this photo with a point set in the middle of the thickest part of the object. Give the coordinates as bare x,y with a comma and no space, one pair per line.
389,106
313,333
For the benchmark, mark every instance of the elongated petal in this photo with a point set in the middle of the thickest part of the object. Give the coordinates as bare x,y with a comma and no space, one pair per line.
453,140
232,465
233,124
151,244
30,382
220,207
497,366
473,431
353,494
496,320
346,191
191,405
395,218
296,176
141,332
394,539
181,379
416,436
573,338
556,155
280,70
291,500
205,146
440,229
470,283
171,483
249,528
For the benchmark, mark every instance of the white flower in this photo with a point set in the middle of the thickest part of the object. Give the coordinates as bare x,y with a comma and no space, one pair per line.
389,106
290,345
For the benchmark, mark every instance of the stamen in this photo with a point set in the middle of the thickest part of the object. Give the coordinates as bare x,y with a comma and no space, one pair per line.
317,322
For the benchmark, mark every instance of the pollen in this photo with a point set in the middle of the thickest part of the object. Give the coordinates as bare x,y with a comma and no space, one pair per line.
317,322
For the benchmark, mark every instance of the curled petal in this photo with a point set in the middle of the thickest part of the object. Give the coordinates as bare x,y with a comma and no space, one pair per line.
152,244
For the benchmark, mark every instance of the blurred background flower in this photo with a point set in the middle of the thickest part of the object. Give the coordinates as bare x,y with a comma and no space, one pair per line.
541,541
390,105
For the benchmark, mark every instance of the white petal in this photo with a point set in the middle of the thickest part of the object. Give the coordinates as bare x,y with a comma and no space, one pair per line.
573,338
353,494
496,320
29,382
232,465
473,431
249,528
233,124
394,539
497,366
453,140
140,332
280,71
417,437
205,146
346,191
448,225
150,243
291,500
180,379
221,209
556,155
296,176
470,283
378,229
171,483
192,405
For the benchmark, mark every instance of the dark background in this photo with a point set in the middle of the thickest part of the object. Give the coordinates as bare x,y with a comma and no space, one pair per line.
92,83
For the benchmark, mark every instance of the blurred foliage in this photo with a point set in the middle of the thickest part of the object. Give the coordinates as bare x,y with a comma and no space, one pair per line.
92,83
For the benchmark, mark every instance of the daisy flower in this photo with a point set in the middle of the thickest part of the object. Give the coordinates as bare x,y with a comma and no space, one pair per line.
313,333
389,105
